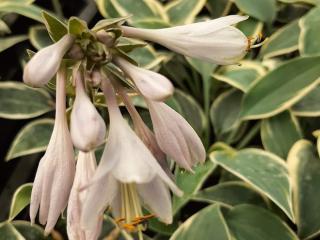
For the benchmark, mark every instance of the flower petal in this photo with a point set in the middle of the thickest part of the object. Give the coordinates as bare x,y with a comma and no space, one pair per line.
175,136
152,85
86,165
145,134
214,41
157,197
100,194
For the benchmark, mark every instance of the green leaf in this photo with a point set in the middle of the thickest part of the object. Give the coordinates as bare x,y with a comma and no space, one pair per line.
184,11
264,10
20,200
105,23
166,229
314,2
309,42
281,88
190,183
224,112
56,28
284,40
191,111
304,168
39,37
262,170
218,8
150,10
248,222
28,231
146,57
279,133
17,101
309,105
27,10
250,27
8,232
19,1
241,77
231,194
205,69
77,26
106,9
7,42
206,224
151,23
33,138
4,29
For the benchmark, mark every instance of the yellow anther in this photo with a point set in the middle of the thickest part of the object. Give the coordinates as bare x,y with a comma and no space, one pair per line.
255,41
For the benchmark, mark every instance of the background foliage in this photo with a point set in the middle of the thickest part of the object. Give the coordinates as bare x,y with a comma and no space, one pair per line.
259,120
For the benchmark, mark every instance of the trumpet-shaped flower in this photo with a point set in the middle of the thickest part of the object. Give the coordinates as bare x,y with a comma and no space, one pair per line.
87,127
215,41
145,134
86,165
44,64
56,169
175,136
126,167
152,85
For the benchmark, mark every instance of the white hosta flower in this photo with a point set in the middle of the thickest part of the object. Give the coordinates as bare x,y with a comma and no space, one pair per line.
87,127
126,162
56,169
215,41
145,134
44,64
86,165
175,136
152,85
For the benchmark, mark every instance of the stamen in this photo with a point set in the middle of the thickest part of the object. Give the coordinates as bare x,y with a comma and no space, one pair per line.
131,209
255,39
260,44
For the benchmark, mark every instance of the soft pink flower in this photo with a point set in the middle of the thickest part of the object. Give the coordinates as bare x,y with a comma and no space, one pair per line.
126,161
56,169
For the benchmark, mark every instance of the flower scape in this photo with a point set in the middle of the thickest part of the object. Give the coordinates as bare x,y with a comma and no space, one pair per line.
133,175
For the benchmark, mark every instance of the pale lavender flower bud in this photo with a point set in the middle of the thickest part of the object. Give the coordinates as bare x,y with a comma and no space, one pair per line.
44,64
152,85
95,77
86,165
87,127
175,136
107,38
56,169
215,41
76,52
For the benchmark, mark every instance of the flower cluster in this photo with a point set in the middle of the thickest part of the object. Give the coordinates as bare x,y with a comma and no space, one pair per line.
133,171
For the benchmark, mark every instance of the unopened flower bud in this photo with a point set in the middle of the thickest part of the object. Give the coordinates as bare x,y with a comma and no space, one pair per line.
107,38
87,127
95,77
44,64
76,52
